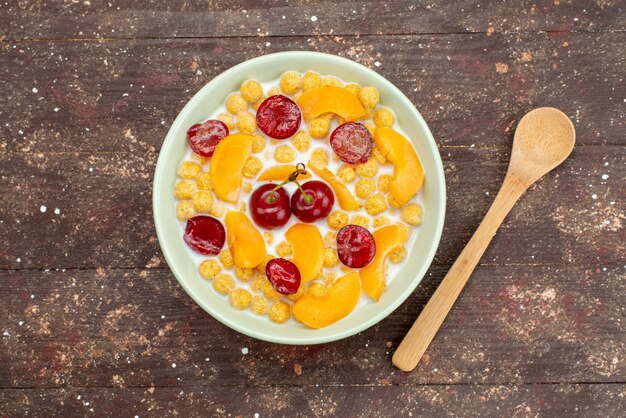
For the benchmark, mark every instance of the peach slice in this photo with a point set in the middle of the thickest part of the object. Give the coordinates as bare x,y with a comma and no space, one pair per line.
308,249
280,173
408,174
227,164
244,240
345,198
388,239
337,100
340,299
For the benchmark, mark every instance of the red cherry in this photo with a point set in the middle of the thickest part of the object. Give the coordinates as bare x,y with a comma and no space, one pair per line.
205,234
269,208
278,117
204,137
355,246
284,276
352,142
315,203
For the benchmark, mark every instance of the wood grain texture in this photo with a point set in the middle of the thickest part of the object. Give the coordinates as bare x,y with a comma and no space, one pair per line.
230,18
471,89
601,401
511,325
92,321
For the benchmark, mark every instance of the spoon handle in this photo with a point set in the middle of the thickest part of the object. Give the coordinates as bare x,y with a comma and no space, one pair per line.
423,330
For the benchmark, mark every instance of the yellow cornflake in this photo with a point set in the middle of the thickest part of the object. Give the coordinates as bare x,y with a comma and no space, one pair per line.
269,291
226,258
258,143
203,181
365,187
185,210
244,274
252,167
381,221
284,154
251,91
375,205
330,257
290,82
369,96
236,104
279,312
384,118
360,220
367,169
259,305
311,80
284,249
412,214
346,173
337,220
316,289
319,127
228,119
398,255
202,201
246,122
223,284
240,299
209,269
188,170
320,156
301,140
184,189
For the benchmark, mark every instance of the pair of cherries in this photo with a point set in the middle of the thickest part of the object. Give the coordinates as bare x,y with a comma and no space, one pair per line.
271,206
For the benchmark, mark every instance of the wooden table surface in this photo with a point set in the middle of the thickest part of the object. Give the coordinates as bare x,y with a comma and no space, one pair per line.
92,321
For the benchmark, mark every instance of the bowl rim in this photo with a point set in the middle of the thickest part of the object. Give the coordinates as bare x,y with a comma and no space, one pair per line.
313,339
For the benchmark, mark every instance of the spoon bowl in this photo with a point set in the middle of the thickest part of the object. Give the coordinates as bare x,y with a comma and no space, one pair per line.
544,138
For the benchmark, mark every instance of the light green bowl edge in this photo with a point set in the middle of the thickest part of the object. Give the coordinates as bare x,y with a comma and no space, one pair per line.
434,196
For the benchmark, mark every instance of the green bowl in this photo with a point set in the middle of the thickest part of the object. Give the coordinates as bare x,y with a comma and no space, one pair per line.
266,68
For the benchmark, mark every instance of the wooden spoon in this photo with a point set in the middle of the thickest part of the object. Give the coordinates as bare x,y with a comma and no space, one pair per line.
544,138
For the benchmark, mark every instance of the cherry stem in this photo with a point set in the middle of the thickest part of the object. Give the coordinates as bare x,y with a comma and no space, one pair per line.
300,169
271,198
307,197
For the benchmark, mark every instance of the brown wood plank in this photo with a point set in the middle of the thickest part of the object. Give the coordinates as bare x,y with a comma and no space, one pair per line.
49,162
114,19
512,324
568,400
93,323
109,87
